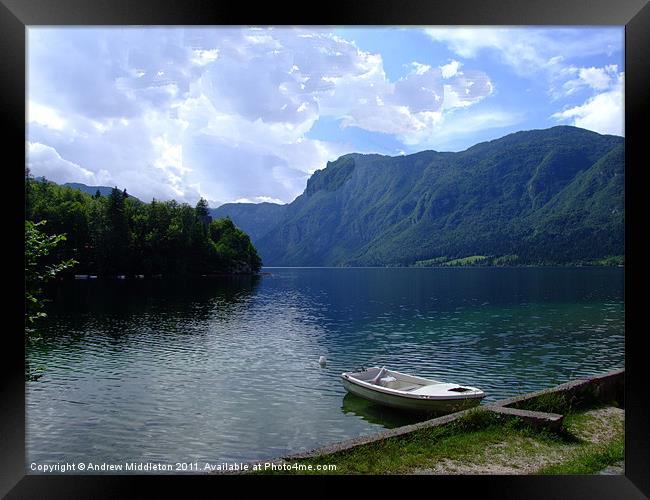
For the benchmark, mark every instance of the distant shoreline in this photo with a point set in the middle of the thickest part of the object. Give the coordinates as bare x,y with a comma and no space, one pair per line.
140,277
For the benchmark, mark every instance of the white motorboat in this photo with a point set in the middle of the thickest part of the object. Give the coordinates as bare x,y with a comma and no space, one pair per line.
408,392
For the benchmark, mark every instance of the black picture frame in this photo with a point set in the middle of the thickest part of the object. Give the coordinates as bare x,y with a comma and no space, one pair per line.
17,15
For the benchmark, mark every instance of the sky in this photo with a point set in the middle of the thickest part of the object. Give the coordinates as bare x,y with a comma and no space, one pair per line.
247,114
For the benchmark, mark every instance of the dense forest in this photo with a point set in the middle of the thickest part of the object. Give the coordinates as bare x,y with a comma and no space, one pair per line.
119,235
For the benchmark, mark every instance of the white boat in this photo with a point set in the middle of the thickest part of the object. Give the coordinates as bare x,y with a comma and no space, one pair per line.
408,392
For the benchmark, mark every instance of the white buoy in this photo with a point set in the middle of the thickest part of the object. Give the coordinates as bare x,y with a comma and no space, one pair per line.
322,361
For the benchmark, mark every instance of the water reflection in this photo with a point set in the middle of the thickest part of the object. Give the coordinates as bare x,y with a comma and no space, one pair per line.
126,297
382,415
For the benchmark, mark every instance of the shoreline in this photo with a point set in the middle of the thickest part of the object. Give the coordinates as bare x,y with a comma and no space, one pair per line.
545,412
263,272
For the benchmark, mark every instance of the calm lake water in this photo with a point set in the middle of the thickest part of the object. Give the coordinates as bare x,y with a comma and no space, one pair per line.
227,370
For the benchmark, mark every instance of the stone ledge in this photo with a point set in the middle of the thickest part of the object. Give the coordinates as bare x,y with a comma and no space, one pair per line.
551,421
608,386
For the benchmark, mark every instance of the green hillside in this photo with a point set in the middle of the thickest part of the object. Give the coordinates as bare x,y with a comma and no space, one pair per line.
254,218
533,197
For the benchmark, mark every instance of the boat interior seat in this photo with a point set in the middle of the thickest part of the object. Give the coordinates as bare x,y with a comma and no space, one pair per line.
386,381
410,387
377,379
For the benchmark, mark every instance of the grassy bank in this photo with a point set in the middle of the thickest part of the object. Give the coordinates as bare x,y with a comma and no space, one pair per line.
482,442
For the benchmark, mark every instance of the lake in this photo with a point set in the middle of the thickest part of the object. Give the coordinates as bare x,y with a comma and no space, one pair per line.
226,370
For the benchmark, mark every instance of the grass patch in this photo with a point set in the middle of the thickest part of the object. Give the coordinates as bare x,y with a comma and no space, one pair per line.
548,403
505,260
576,423
610,260
481,260
590,459
466,261
481,440
560,403
464,439
431,262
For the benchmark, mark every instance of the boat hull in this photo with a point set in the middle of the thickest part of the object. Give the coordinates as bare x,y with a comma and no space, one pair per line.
412,404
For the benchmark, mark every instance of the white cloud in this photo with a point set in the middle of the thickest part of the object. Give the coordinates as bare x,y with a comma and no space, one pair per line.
538,53
44,115
602,113
203,57
451,133
528,51
453,99
157,108
45,161
451,69
417,101
220,113
546,55
594,78
259,199
467,42
420,69
599,78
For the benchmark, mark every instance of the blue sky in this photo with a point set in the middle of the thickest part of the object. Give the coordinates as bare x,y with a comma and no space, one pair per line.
248,114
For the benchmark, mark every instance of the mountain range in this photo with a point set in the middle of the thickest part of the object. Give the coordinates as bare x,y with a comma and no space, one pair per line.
103,190
548,196
92,190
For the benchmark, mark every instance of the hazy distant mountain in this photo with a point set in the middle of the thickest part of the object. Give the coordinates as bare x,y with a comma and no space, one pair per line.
103,190
255,219
553,195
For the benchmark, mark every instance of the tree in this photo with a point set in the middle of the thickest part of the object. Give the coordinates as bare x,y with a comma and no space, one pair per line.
200,247
37,246
233,247
203,215
28,193
118,235
201,208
